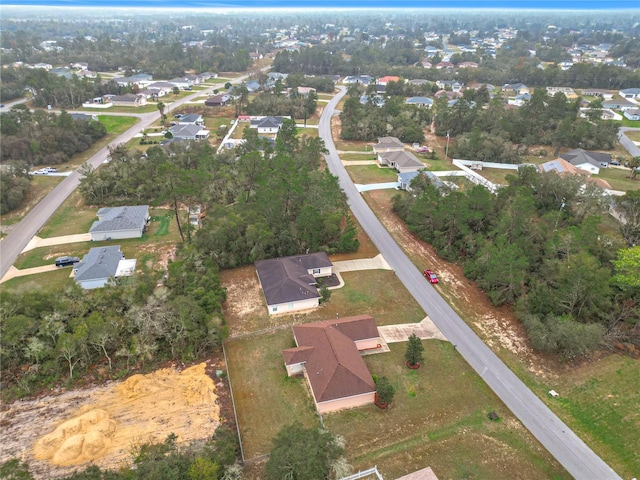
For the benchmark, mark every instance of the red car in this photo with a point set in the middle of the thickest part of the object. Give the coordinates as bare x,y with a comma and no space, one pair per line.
429,275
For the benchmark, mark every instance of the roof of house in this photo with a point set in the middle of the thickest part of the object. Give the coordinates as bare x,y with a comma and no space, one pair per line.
190,118
424,474
186,131
120,218
618,102
388,142
561,166
287,279
267,122
334,366
630,91
419,101
402,159
98,263
580,157
389,78
127,97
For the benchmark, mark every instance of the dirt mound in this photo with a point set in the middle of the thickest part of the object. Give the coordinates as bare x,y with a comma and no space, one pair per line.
103,424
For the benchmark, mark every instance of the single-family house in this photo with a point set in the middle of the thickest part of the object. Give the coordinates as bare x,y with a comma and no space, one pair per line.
305,91
632,114
217,100
361,79
102,266
520,100
619,104
588,161
598,92
120,222
468,65
142,80
62,72
453,85
418,81
402,161
388,144
563,167
388,78
189,132
420,101
183,83
328,354
405,179
568,92
267,124
377,100
630,93
45,66
191,119
160,89
277,76
290,283
84,116
515,88
444,65
129,100
253,86
80,65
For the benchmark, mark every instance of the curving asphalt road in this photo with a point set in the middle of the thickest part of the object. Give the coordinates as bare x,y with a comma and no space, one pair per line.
21,234
569,450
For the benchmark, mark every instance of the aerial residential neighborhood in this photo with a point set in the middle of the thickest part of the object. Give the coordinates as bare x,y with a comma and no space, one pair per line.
339,244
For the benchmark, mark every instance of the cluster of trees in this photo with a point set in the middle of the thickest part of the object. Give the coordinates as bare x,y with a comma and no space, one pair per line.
14,186
276,103
217,459
535,245
39,137
262,200
369,121
498,134
117,327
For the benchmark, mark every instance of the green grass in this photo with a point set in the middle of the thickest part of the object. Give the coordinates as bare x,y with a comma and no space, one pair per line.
619,179
149,107
365,174
163,224
353,146
625,122
358,156
633,136
71,218
38,257
438,418
117,125
266,398
54,281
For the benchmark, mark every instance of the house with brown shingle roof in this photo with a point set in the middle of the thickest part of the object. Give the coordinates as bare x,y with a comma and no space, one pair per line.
290,283
327,353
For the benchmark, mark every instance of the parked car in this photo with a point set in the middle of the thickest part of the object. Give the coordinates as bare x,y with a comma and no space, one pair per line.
423,150
66,261
614,162
42,171
429,275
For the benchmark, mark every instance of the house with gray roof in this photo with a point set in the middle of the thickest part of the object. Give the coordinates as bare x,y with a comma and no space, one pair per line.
405,179
290,283
120,222
420,101
402,161
129,100
267,124
102,266
619,104
191,119
632,114
630,93
189,132
591,162
388,144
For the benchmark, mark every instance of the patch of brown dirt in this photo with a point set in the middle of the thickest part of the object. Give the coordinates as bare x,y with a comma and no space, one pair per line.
101,425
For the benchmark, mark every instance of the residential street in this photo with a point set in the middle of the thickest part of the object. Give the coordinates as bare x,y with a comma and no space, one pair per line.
22,233
570,451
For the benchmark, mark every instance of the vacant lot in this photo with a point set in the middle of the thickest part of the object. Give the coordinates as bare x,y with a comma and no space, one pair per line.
619,178
365,174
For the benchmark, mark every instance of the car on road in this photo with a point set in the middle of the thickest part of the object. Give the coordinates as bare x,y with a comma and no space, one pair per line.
66,261
429,275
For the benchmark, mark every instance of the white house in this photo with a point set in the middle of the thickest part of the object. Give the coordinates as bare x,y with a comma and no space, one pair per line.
102,266
120,222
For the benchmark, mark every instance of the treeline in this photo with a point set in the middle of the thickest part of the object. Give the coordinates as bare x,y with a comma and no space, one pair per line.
368,121
49,336
261,201
39,137
494,133
217,459
537,245
276,103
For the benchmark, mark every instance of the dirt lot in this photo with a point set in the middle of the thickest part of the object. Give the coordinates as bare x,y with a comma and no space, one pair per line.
59,433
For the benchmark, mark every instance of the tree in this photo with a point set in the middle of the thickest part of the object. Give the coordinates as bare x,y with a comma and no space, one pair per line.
634,165
301,453
384,391
627,267
413,354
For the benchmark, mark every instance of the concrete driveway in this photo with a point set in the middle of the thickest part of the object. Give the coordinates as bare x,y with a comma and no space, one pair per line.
376,263
13,272
425,330
36,242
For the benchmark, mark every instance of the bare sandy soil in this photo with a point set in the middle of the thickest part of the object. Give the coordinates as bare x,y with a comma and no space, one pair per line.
58,434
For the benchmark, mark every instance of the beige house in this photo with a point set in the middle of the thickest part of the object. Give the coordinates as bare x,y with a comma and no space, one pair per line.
290,283
388,144
400,161
327,353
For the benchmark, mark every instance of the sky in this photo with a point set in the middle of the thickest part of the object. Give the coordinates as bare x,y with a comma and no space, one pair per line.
367,4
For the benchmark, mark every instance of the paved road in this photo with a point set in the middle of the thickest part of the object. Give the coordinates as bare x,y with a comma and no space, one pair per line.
569,450
21,234
631,147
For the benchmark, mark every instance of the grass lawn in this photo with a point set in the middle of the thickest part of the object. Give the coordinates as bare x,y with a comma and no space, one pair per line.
619,179
149,107
633,136
55,281
353,146
71,218
266,398
365,174
117,125
309,132
358,156
625,122
439,418
496,175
